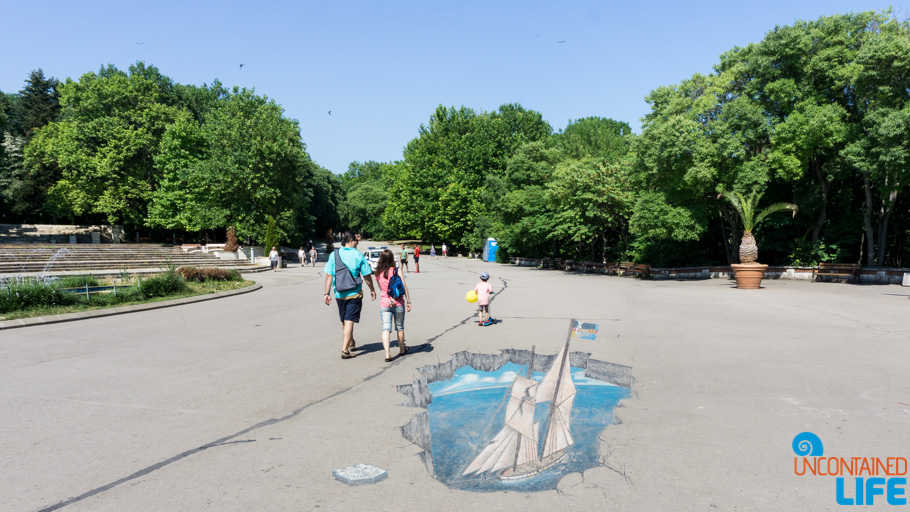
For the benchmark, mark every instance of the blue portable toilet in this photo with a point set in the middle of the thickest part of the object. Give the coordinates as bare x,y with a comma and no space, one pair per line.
489,250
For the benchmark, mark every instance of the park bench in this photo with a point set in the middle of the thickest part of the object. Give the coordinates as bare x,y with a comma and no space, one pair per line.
629,268
642,270
827,269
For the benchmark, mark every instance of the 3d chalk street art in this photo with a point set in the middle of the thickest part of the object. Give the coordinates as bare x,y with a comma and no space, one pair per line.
517,420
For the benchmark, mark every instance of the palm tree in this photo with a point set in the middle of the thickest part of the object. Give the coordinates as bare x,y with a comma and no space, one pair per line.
745,207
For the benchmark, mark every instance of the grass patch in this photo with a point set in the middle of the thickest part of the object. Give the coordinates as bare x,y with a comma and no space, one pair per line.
126,296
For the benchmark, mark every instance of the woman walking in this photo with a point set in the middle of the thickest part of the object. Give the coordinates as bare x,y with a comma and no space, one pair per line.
391,308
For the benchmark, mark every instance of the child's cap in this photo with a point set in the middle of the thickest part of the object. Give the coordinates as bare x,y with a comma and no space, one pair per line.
484,276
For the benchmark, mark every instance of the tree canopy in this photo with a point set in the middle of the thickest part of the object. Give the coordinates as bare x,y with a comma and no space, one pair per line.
816,114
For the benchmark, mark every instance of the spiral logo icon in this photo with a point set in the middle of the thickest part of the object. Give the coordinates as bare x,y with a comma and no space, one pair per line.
808,444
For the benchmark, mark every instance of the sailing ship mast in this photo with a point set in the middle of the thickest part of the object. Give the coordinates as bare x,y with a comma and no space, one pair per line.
557,436
514,451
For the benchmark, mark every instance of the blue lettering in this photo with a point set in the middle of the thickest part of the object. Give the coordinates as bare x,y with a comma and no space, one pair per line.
841,500
874,486
894,491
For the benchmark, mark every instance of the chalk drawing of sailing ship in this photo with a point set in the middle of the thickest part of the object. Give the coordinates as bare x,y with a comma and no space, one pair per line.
516,452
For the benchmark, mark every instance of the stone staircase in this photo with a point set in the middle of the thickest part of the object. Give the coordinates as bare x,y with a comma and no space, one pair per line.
58,234
53,258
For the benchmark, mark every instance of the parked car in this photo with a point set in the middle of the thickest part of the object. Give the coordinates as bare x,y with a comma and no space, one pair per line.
372,256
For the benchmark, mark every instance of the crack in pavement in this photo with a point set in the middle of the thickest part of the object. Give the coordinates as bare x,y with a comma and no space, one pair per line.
229,440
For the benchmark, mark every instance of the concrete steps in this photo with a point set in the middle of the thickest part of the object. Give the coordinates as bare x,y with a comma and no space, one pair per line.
51,258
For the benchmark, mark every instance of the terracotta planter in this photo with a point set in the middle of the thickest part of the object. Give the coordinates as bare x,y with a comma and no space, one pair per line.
749,276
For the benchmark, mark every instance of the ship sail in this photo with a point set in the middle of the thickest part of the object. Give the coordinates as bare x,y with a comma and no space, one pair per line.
517,442
515,449
558,389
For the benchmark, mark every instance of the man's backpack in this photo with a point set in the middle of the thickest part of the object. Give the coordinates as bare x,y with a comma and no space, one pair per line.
344,280
396,286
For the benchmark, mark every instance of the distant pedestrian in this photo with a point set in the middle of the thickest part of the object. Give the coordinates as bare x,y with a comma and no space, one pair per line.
417,259
329,241
404,258
273,259
301,255
484,290
445,250
433,251
311,251
391,308
350,302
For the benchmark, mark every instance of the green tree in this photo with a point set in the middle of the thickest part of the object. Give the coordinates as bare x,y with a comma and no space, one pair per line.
790,114
436,195
105,143
328,199
271,238
880,149
245,162
594,137
199,100
591,204
801,75
38,104
518,204
13,175
366,192
564,195
363,172
675,165
23,194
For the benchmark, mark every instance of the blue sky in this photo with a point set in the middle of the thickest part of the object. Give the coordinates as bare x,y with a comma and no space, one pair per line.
382,68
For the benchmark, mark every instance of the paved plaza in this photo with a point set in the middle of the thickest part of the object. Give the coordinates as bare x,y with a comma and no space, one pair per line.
244,403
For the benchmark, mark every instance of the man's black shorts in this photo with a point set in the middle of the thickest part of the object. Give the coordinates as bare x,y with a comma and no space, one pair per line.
349,309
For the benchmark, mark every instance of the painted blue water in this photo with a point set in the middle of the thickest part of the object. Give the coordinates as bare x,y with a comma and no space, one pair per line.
467,411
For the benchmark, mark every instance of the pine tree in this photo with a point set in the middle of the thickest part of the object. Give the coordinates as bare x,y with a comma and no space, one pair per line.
38,104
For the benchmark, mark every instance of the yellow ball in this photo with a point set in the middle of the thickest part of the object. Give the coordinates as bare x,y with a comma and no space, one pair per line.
471,296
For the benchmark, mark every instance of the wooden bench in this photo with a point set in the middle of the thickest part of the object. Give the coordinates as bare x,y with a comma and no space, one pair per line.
629,268
826,269
642,270
624,268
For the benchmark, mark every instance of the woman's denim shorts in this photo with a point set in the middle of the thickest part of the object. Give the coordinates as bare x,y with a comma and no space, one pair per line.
387,314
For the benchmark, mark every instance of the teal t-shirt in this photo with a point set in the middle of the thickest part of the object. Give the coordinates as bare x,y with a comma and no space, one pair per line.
354,260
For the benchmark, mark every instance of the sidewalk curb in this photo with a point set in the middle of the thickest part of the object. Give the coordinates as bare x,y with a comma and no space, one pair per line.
98,313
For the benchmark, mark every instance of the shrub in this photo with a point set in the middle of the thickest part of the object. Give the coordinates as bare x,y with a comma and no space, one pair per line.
203,274
35,295
164,284
231,245
78,281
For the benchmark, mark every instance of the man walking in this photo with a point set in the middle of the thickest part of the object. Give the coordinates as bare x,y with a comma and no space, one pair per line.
350,302
273,259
